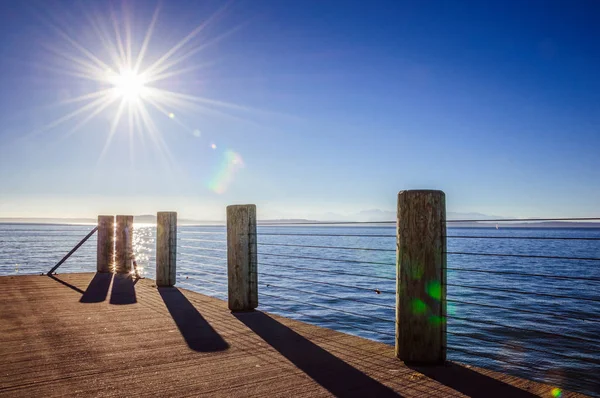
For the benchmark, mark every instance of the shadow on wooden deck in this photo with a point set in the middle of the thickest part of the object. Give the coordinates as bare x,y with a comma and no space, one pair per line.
196,331
470,382
333,374
97,290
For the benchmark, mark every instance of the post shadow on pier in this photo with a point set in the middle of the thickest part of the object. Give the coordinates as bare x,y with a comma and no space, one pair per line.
332,373
123,290
52,276
196,331
97,289
470,382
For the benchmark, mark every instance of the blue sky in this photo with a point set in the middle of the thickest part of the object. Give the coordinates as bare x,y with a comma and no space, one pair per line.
325,107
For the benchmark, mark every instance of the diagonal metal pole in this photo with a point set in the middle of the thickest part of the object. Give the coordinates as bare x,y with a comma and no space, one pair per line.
92,232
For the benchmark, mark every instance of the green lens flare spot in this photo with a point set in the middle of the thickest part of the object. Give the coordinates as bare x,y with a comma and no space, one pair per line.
418,307
434,289
437,320
556,392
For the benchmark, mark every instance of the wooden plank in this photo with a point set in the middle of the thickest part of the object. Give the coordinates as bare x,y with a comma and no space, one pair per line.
166,248
123,245
242,257
106,244
421,277
172,345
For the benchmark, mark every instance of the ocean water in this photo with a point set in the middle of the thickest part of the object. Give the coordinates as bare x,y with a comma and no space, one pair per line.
537,327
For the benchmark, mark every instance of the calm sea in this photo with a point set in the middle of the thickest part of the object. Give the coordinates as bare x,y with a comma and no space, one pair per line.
541,328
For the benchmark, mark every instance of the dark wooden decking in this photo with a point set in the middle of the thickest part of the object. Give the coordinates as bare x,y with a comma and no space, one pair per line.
86,335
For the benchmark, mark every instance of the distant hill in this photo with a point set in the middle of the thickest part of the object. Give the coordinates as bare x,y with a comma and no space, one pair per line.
365,216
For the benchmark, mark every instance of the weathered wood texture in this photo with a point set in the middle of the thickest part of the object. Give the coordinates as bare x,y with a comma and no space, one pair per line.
64,337
166,248
421,277
123,244
105,256
242,257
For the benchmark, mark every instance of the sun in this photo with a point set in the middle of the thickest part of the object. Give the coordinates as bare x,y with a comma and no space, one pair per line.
128,84
130,89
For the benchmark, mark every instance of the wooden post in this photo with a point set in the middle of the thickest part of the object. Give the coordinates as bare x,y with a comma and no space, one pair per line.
123,245
166,248
105,252
241,258
421,277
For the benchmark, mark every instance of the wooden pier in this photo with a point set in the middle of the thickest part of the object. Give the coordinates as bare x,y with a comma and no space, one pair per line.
110,335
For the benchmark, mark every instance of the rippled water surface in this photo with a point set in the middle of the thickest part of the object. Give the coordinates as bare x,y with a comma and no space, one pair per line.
542,328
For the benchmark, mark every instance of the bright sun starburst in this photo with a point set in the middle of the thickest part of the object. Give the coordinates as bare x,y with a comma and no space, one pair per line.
126,83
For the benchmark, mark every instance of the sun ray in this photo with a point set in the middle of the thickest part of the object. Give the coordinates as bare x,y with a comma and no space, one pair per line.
127,23
89,70
104,37
185,40
70,116
101,65
179,72
156,137
130,124
142,53
109,100
113,128
119,41
193,52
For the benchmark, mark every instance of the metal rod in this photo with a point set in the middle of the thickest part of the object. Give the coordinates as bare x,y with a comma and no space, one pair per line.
202,248
378,291
327,247
329,308
202,256
488,322
327,295
92,232
201,240
530,219
495,289
526,256
328,271
325,259
523,311
520,237
332,235
580,278
202,271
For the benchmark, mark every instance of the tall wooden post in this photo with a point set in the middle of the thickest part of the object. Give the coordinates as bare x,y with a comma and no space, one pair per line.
242,260
421,277
166,248
105,249
123,245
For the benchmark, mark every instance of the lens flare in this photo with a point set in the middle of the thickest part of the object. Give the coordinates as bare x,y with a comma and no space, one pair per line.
434,289
437,320
231,163
418,307
556,392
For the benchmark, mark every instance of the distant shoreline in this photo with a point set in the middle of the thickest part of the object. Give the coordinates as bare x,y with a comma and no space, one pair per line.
331,224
